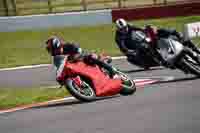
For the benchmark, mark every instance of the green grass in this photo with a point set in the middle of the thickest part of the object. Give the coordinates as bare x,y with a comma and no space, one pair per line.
12,97
27,47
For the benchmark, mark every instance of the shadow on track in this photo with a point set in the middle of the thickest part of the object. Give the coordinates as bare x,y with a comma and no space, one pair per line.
142,70
177,80
72,102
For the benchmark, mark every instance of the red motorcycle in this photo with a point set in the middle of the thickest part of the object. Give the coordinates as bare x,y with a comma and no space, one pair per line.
86,82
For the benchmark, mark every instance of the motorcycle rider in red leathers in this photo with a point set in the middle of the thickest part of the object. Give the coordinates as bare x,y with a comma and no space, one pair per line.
56,47
123,38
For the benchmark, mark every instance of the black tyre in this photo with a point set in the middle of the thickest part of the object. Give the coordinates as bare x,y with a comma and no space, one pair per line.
85,93
192,66
128,85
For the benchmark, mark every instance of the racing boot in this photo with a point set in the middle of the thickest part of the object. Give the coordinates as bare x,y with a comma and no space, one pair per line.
111,71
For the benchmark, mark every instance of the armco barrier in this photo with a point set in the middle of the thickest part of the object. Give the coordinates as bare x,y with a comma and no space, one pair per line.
185,9
55,20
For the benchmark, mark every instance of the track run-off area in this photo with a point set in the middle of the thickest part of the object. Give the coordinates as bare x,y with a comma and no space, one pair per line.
170,104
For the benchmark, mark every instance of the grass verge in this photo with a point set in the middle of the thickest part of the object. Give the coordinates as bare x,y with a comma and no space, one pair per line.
27,47
12,97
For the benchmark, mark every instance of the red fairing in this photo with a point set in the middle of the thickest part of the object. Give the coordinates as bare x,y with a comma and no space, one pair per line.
63,73
103,85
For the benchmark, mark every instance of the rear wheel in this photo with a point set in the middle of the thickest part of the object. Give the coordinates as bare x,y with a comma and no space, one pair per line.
84,92
128,85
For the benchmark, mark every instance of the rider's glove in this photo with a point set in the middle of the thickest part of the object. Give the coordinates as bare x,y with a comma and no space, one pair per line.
93,56
147,39
89,59
146,43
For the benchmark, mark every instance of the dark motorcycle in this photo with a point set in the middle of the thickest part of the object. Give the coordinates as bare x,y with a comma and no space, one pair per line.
172,51
179,56
143,56
87,81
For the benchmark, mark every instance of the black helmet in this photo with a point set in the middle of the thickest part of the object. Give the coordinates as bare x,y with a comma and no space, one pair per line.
53,45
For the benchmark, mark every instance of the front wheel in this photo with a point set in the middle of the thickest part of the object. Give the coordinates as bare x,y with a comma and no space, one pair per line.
128,85
191,65
84,92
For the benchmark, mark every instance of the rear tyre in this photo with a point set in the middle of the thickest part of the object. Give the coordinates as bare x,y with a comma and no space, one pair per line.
128,85
85,93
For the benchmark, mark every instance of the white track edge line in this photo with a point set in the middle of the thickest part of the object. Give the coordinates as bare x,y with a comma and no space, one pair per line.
46,65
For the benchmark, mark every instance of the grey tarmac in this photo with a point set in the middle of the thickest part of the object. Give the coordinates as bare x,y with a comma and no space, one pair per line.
168,107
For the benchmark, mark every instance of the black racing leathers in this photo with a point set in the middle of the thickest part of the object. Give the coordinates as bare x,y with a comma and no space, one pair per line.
126,43
71,48
124,40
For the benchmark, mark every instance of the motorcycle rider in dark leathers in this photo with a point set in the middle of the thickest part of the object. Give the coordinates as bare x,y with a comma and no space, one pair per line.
123,38
55,46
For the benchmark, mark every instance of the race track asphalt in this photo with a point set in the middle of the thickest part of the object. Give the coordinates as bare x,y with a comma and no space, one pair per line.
168,107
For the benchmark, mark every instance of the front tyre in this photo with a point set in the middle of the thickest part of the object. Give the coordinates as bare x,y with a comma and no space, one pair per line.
128,85
84,93
191,65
